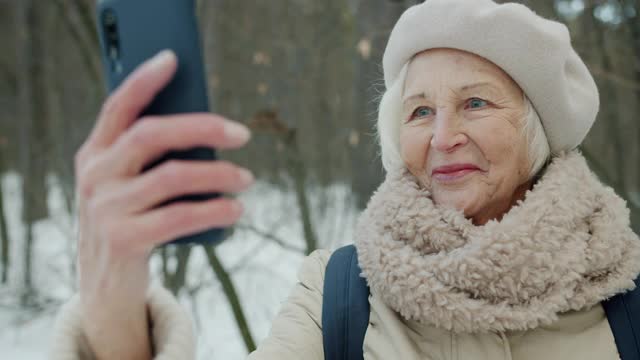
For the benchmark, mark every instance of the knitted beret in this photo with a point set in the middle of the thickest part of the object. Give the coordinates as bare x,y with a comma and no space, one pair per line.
534,51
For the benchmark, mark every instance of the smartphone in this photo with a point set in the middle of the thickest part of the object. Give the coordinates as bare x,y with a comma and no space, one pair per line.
131,32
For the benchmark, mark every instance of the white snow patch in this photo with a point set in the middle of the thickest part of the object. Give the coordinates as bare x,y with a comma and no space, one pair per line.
263,272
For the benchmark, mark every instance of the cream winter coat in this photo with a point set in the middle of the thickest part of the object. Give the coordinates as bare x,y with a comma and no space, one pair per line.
297,332
527,287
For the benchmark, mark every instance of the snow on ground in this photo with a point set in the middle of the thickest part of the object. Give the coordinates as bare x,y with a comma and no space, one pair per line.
263,272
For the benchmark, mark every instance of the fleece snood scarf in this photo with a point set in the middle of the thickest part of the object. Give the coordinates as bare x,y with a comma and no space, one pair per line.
567,246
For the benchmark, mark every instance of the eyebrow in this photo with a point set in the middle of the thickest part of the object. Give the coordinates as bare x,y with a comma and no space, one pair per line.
460,89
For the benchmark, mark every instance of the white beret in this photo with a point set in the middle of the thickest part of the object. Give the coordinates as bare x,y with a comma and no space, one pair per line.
534,51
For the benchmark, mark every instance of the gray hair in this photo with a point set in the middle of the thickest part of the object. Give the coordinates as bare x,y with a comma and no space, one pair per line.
388,129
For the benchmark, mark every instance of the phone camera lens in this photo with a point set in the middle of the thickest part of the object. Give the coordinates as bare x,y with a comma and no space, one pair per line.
109,22
112,43
109,18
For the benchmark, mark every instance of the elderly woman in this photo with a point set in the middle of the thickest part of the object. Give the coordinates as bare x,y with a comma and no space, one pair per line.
490,238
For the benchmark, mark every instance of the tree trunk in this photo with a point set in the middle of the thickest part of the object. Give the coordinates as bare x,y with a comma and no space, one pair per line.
174,280
232,297
4,233
299,172
34,135
79,21
25,97
634,29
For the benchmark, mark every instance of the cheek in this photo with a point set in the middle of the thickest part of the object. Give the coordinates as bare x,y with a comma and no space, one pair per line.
504,146
414,146
495,134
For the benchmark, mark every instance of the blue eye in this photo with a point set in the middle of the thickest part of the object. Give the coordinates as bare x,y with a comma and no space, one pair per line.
476,103
422,111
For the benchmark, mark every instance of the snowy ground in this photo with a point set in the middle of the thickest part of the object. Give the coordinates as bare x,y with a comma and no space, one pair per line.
262,271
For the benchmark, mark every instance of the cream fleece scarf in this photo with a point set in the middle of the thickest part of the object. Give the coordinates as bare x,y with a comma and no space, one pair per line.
567,246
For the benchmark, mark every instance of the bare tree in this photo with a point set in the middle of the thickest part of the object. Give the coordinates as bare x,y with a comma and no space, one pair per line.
174,280
267,121
5,260
232,296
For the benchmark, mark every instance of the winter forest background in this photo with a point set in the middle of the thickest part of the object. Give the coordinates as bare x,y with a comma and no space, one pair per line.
305,75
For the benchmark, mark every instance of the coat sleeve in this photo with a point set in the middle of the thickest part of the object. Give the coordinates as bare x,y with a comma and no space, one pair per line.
296,330
171,329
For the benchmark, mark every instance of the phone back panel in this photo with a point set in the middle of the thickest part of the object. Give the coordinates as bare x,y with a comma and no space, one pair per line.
145,27
149,26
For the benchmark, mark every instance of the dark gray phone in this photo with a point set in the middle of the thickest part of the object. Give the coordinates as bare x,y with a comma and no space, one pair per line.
132,31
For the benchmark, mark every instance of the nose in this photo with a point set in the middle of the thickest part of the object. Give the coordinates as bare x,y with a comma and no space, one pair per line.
447,135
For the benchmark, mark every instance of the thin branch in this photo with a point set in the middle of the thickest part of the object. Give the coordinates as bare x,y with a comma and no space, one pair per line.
270,237
245,259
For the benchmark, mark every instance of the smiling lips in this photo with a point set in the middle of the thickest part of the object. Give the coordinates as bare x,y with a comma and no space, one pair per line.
453,172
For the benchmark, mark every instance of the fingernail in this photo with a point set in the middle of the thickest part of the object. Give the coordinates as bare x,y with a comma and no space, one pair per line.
236,131
161,59
246,176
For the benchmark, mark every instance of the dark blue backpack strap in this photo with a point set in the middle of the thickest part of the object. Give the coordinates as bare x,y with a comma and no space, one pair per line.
623,313
345,306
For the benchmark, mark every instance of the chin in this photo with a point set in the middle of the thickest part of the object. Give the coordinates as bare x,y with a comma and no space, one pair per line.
462,200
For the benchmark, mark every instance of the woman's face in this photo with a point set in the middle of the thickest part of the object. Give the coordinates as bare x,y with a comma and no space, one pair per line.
461,133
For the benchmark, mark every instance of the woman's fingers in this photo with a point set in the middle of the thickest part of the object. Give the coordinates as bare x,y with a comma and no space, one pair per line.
126,103
184,218
119,226
121,236
116,202
175,178
152,137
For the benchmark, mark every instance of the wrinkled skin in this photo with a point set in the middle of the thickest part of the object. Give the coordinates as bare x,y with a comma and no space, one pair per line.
471,113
